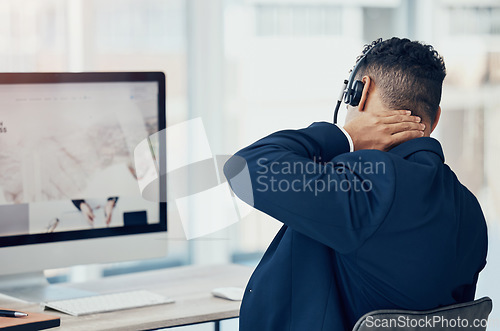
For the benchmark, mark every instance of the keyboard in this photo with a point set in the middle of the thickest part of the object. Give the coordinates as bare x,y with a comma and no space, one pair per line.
108,302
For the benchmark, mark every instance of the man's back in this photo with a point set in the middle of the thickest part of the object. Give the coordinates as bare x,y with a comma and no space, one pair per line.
410,237
434,234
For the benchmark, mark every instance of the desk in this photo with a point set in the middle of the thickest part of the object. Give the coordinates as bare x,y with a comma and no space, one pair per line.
189,286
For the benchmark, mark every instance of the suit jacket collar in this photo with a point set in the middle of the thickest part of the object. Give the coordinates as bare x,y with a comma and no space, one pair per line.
418,145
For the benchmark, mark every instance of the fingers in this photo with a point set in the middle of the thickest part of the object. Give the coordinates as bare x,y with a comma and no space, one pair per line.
398,117
384,129
406,126
396,112
401,137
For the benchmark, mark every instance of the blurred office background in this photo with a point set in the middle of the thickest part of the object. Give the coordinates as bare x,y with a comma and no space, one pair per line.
251,67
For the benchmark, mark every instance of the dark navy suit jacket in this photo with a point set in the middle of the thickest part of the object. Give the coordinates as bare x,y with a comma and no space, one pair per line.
412,237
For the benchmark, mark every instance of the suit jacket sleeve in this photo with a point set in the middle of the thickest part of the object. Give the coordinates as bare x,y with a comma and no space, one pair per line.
307,180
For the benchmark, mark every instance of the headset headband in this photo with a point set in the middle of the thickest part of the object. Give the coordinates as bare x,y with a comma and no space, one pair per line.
354,71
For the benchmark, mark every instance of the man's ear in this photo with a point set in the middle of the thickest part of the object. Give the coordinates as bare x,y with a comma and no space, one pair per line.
364,96
436,119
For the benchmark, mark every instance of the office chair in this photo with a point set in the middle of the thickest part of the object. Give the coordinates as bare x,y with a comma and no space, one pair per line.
463,316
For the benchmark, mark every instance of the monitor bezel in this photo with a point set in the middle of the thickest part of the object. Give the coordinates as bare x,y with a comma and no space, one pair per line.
96,77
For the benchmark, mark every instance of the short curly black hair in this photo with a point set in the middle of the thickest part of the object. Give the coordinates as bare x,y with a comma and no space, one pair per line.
409,74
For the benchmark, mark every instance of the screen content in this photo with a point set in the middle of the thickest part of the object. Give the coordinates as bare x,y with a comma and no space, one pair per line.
66,156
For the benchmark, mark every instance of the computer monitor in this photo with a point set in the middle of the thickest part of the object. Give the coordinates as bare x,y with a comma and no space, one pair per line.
68,186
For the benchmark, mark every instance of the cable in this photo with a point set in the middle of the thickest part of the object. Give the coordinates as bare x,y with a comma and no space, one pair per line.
339,101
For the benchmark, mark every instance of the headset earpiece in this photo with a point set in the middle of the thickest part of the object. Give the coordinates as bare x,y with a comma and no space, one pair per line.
352,90
357,93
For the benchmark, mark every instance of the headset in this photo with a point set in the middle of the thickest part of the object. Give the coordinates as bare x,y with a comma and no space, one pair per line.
353,90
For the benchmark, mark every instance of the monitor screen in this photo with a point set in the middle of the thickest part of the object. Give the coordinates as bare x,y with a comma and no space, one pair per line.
67,145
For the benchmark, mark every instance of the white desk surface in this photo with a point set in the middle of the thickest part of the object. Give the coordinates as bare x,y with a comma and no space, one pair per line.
189,286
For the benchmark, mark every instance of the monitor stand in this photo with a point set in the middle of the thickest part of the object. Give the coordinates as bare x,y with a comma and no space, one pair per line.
34,287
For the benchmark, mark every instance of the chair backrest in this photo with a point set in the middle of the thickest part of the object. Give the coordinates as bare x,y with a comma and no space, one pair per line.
463,316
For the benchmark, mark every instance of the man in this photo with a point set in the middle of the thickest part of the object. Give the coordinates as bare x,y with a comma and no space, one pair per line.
381,224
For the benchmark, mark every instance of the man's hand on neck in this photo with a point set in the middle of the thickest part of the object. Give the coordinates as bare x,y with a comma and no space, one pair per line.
383,130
